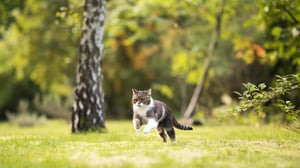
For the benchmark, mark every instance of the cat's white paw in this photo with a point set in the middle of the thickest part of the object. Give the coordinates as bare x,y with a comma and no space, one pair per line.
137,130
146,131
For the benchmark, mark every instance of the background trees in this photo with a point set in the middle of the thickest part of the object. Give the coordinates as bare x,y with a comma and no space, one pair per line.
158,44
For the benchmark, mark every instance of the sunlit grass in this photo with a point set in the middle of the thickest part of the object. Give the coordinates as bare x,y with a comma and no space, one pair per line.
52,145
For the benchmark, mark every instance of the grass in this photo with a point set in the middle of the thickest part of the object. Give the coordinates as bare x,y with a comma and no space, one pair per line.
52,145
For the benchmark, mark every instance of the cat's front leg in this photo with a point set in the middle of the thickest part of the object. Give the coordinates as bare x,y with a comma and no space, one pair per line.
136,124
150,125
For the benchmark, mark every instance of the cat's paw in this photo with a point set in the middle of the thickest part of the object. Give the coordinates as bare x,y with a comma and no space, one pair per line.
137,130
146,132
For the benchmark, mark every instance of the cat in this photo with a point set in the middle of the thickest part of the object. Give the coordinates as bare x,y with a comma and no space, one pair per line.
155,114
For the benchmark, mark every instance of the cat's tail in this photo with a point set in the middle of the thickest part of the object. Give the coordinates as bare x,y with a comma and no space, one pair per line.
180,126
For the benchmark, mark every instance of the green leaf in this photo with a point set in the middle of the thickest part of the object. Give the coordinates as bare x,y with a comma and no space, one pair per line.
164,90
276,31
262,86
238,93
179,65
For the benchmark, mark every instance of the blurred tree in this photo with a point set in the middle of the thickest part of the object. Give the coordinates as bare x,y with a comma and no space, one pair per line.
278,22
282,20
41,41
211,49
158,44
88,107
163,43
34,57
6,9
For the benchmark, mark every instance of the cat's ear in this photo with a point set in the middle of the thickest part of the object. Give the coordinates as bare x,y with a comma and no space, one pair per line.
134,91
149,91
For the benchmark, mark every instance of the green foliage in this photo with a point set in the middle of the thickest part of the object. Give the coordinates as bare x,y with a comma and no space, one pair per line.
283,32
54,106
289,108
164,90
256,97
34,48
52,145
147,44
13,91
24,117
7,7
278,25
37,53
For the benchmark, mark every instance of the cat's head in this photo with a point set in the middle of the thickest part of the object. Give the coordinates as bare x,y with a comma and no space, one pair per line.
141,98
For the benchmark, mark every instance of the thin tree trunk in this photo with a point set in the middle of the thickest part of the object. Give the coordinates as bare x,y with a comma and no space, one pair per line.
211,49
88,106
183,94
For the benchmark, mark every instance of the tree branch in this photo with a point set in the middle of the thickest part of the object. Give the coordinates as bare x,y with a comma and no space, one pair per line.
211,49
290,14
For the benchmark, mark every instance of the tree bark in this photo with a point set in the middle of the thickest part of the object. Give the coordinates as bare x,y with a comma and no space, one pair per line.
88,106
211,49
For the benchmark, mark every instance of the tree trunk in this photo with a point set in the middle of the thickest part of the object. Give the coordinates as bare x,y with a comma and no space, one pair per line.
211,49
88,106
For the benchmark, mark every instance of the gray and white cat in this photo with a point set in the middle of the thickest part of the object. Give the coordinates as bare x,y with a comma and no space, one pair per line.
155,114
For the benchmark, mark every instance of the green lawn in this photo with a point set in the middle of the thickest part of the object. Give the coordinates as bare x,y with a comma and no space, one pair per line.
52,145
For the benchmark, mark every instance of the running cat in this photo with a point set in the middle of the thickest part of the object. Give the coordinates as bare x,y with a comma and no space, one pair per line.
155,114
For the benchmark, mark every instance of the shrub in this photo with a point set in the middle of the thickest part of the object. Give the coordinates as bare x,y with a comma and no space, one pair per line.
260,99
54,106
23,117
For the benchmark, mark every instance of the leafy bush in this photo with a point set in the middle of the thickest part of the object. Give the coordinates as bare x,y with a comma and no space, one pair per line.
23,116
54,106
259,99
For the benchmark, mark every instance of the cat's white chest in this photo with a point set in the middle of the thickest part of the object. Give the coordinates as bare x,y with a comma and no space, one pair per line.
142,110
